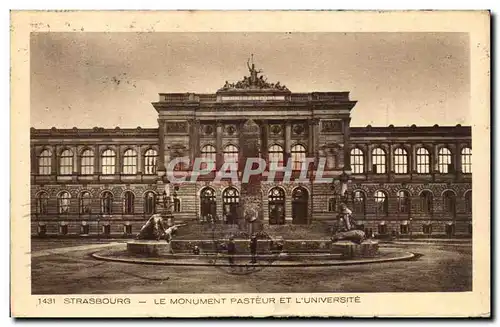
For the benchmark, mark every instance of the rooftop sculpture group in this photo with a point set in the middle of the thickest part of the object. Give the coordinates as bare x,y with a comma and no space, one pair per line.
253,81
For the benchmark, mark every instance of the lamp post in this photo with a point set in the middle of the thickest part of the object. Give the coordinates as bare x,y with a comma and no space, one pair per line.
410,230
344,178
98,229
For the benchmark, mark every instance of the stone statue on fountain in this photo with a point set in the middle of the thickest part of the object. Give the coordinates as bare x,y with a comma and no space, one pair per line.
159,226
347,227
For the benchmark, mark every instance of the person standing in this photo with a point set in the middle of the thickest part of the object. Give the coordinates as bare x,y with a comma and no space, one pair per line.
231,250
253,248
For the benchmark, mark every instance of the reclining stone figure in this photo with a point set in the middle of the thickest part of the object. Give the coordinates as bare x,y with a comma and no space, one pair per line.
156,228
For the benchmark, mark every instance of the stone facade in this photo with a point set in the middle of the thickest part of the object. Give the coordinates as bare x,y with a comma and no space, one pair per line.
397,179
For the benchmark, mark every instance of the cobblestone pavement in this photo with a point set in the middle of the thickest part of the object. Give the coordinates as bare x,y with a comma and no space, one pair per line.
71,270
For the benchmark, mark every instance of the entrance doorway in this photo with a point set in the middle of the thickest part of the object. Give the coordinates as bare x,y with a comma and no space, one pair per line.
231,199
300,198
276,202
208,203
106,230
450,230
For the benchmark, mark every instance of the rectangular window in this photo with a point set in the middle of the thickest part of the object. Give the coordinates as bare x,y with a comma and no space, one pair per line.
44,165
66,165
404,229
129,165
150,165
87,167
108,165
400,164
331,205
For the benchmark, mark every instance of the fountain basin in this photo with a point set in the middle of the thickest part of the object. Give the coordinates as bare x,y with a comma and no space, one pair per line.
341,249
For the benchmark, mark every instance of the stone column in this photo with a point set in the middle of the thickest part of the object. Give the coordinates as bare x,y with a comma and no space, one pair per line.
140,159
34,163
76,161
218,146
435,160
97,156
194,143
310,138
369,158
53,166
458,159
347,144
118,162
160,164
288,141
265,141
389,154
413,158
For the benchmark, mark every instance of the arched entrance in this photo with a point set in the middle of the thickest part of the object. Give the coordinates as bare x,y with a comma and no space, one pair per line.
276,202
300,198
208,202
231,199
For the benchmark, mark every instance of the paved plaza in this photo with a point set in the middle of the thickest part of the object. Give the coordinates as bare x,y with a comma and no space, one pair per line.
439,267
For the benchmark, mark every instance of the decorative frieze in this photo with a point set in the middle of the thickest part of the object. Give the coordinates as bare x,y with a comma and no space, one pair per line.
180,127
331,126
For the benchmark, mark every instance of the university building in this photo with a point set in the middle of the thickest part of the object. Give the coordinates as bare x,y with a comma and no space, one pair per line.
407,180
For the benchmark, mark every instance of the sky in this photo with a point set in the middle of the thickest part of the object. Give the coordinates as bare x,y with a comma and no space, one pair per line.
111,79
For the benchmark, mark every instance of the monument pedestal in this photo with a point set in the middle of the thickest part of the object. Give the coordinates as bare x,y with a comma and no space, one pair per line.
350,250
149,248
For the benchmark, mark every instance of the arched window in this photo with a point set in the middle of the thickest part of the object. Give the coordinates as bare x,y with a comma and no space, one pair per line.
230,200
381,203
208,153
45,162
85,203
426,201
108,161
63,201
208,203
357,161
332,205
449,202
359,202
42,203
298,156
403,202
231,154
150,158
106,203
66,162
423,161
128,202
467,160
444,160
276,156
400,161
468,201
130,162
378,159
87,162
149,203
276,202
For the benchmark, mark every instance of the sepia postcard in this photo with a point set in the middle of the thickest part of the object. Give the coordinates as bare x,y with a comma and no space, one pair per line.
250,164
